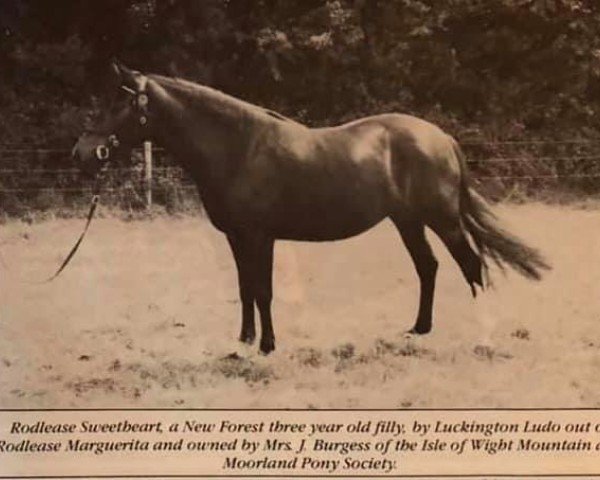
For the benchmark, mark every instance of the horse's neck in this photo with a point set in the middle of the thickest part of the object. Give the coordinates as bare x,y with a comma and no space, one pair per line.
206,131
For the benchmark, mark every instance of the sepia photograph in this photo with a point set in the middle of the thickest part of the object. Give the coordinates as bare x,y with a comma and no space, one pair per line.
285,204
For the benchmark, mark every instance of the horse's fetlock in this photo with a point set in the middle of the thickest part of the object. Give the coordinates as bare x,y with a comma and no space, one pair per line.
247,337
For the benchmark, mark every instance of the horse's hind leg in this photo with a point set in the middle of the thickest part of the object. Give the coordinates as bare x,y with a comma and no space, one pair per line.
452,233
413,235
262,260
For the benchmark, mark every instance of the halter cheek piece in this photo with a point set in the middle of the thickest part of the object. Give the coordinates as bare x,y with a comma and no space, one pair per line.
140,104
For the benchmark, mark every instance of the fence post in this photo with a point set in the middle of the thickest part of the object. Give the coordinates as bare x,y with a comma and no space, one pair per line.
148,172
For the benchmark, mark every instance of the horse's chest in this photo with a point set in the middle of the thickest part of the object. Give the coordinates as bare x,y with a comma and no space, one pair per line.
243,205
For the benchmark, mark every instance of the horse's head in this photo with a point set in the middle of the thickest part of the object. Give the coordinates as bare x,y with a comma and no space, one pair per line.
127,124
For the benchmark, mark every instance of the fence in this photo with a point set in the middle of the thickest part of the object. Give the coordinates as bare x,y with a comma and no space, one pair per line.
45,178
539,169
48,178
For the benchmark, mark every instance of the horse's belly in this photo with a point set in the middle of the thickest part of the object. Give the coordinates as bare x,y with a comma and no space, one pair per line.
333,219
326,233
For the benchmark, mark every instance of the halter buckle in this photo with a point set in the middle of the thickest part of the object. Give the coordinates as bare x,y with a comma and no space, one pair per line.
113,141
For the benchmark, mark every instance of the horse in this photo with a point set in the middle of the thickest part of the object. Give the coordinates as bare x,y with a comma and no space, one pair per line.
263,177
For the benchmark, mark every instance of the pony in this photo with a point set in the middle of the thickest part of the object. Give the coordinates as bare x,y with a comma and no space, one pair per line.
262,177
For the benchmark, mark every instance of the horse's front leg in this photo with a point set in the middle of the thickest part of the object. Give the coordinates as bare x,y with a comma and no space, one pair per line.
253,254
245,282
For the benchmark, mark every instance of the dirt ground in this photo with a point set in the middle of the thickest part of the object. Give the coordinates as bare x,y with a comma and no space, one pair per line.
147,315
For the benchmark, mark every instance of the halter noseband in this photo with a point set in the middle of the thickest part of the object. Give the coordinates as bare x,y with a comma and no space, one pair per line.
103,151
140,103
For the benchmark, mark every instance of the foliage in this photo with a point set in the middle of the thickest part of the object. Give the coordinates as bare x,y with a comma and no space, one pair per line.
484,70
509,67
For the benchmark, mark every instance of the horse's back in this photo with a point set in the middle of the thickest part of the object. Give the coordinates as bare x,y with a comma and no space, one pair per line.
426,136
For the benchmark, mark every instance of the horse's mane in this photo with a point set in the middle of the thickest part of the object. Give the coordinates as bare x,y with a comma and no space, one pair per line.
196,90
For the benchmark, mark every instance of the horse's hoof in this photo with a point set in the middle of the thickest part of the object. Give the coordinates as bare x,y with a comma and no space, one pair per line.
267,347
416,330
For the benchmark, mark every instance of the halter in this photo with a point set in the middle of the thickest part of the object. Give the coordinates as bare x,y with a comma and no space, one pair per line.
140,104
103,154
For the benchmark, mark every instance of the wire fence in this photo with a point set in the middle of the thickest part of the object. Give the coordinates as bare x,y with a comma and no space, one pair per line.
42,177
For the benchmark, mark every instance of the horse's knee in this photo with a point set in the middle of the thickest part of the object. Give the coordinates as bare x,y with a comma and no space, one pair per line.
263,302
263,295
246,296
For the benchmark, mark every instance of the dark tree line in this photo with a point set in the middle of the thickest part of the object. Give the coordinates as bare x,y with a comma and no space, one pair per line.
484,68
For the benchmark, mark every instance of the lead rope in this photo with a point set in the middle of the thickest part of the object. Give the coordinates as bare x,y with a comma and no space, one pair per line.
103,155
90,216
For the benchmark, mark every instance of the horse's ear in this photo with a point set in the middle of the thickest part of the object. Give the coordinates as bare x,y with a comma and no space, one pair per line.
115,67
124,74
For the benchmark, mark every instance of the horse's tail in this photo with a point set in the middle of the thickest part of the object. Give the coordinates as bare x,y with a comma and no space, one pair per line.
491,239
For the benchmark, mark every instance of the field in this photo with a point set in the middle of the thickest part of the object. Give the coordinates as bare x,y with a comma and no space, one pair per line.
147,315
